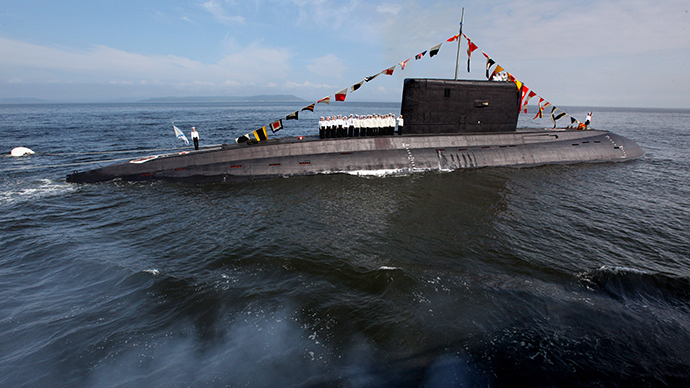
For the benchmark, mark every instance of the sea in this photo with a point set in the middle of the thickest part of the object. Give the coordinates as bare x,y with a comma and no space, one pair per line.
553,276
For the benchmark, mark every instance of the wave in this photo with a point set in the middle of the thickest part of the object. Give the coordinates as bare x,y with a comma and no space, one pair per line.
625,283
22,191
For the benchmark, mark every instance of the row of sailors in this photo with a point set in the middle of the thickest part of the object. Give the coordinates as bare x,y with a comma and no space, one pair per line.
357,126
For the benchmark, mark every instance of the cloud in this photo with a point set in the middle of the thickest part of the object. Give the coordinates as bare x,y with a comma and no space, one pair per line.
215,8
331,14
244,66
255,62
393,9
263,46
307,85
565,29
329,66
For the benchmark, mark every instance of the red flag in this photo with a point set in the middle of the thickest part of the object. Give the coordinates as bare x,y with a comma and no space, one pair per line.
389,71
470,49
277,125
540,113
453,38
524,90
517,81
340,96
529,97
325,100
403,63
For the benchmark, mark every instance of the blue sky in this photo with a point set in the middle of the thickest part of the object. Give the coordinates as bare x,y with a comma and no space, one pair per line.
622,53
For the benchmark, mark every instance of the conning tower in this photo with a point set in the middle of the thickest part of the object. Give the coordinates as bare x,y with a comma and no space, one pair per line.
448,106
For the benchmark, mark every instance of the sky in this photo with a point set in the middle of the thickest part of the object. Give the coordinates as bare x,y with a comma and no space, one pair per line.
603,53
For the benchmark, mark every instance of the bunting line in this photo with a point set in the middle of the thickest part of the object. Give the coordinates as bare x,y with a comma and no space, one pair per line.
260,134
498,73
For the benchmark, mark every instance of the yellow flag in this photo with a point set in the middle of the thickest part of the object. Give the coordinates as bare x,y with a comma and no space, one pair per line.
260,134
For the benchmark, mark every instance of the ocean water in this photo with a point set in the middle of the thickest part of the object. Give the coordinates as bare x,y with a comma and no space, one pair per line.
552,276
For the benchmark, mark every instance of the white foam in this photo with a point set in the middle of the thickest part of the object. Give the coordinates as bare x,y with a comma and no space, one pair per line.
379,173
621,269
26,191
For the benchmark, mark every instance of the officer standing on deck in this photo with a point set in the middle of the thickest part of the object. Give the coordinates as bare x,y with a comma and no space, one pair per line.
588,120
195,138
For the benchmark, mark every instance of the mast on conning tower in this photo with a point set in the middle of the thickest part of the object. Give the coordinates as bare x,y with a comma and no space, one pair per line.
457,61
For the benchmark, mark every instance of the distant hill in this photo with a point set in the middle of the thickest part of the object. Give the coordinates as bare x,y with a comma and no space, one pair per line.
23,101
259,98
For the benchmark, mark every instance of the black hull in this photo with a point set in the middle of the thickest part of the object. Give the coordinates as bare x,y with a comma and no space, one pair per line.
371,155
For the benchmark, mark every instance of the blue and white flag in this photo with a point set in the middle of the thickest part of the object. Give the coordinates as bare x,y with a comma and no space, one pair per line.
180,135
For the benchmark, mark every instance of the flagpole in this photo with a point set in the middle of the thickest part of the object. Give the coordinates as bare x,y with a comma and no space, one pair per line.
457,61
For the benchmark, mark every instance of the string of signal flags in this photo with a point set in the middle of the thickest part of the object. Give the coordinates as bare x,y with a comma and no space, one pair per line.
498,73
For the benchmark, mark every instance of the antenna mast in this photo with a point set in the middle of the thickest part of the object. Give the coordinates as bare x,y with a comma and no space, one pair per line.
457,61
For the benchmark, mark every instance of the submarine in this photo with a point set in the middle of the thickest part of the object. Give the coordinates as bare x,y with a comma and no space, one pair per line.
449,125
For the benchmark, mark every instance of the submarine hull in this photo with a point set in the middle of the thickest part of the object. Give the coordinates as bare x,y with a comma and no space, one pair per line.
372,155
448,125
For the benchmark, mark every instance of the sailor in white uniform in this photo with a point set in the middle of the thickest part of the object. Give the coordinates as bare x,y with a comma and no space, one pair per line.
357,123
339,126
195,138
329,126
322,127
351,125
